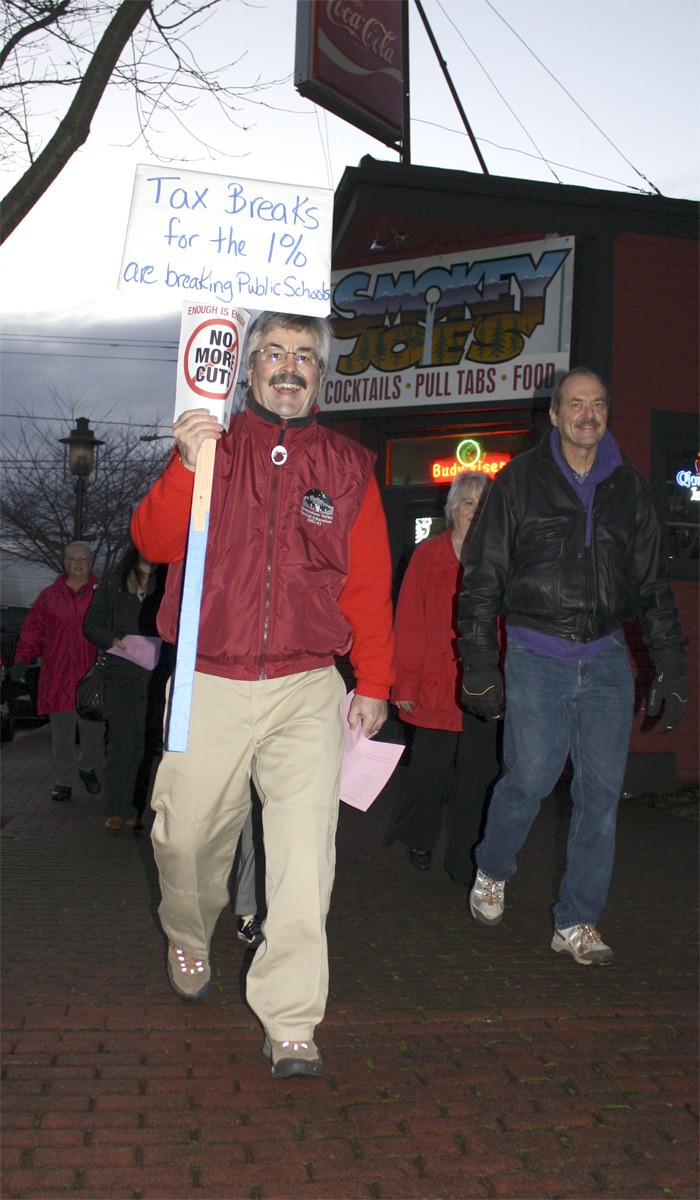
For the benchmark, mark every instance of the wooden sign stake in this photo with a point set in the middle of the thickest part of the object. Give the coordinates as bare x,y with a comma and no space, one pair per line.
188,632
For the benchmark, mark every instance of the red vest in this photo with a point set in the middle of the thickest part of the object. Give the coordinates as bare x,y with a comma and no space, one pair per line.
277,552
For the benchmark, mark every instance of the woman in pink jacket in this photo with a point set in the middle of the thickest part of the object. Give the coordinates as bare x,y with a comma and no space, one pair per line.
453,757
53,630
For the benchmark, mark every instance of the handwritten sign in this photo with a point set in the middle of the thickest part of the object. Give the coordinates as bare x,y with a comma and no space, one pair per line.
209,357
227,240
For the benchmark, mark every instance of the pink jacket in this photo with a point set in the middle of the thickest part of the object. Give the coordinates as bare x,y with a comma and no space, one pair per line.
428,670
53,629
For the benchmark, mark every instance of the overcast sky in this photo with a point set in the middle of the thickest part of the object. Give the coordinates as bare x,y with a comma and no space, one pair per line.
607,90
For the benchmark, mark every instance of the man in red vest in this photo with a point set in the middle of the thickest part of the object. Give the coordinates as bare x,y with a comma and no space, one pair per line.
297,571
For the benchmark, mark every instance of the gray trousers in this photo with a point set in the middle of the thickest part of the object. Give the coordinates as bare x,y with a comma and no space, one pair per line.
88,756
249,869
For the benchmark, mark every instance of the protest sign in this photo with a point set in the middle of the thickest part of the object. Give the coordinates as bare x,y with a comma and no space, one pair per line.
215,243
208,363
226,240
209,357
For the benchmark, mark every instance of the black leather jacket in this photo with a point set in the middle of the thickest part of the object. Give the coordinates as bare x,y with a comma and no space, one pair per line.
527,559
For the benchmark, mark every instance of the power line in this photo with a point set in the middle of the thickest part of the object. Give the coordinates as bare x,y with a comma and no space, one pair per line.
156,343
511,110
125,358
572,98
527,154
97,420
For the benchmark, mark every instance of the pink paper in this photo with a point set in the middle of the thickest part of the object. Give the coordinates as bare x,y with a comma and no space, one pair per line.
367,764
144,651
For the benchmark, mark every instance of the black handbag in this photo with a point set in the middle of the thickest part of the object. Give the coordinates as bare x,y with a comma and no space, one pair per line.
90,692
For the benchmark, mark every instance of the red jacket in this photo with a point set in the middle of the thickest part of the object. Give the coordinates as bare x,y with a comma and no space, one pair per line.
428,670
53,629
297,568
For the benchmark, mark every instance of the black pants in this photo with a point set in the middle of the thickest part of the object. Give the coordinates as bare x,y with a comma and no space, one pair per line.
126,691
454,770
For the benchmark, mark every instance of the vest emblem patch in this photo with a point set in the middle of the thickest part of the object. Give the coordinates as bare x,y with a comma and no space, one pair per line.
317,507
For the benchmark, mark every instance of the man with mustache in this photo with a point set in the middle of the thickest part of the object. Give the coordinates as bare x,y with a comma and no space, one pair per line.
297,571
568,547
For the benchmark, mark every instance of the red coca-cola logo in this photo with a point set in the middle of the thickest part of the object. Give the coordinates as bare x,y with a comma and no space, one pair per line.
370,32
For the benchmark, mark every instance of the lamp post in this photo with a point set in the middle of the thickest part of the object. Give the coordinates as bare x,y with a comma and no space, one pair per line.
80,456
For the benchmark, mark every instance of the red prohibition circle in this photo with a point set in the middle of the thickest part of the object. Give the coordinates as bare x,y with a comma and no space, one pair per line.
233,349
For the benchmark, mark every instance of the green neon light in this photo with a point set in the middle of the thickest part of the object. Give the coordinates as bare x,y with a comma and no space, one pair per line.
470,447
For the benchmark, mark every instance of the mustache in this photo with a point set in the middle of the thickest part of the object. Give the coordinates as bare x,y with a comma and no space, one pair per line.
287,377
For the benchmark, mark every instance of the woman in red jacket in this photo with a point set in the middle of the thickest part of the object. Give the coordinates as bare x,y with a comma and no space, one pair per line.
53,629
453,757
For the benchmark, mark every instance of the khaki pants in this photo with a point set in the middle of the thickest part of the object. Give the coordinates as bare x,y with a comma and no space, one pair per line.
287,735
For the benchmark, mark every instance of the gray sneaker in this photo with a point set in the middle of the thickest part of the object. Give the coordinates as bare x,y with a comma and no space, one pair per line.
486,899
189,976
290,1058
584,944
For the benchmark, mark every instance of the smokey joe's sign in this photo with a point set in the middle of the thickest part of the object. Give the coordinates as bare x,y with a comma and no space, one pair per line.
489,324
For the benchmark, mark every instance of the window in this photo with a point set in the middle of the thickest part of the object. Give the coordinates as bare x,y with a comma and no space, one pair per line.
438,458
675,476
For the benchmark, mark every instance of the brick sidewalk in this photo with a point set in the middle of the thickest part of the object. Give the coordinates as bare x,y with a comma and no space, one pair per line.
460,1061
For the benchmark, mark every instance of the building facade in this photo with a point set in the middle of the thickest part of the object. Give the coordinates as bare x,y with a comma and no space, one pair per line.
459,299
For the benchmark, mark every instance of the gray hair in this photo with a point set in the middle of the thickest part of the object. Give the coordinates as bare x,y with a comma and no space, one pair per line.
468,483
320,326
78,546
555,402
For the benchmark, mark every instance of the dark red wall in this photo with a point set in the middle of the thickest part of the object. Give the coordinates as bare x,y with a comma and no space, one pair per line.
656,319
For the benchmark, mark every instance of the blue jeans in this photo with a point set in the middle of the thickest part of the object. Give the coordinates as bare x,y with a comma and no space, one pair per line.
555,709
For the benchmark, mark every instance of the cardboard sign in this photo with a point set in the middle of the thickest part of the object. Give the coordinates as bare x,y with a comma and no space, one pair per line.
209,358
224,240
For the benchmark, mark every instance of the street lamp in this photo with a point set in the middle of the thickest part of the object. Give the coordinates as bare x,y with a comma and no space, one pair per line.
80,456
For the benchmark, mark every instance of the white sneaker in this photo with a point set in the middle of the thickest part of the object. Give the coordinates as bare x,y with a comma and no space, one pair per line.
584,944
486,899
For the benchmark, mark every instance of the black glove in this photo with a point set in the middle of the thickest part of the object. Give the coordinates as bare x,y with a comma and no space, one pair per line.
482,693
670,688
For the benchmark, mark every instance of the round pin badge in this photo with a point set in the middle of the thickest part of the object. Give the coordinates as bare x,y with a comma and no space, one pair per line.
279,456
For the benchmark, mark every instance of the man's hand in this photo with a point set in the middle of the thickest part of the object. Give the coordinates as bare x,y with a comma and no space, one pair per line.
405,705
670,689
482,693
370,714
190,430
18,673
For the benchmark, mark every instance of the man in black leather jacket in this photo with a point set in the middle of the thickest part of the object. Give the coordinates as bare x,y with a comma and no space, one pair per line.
567,547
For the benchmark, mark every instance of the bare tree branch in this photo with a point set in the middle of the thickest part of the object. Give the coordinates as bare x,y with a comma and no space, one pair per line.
51,14
146,48
38,496
75,127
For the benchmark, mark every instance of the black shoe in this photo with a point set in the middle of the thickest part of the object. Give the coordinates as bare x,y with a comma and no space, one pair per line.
420,859
61,793
249,932
91,783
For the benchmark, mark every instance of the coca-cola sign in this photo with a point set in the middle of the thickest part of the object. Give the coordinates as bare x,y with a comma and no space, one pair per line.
350,59
365,27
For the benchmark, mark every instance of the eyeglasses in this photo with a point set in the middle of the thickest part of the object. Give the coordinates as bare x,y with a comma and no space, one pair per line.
85,558
274,355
